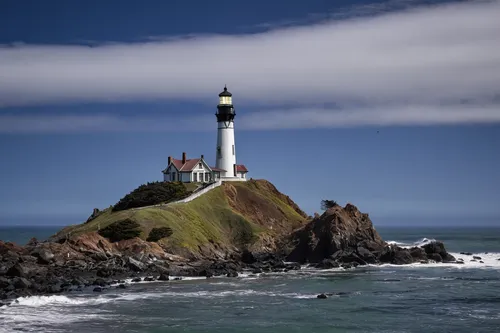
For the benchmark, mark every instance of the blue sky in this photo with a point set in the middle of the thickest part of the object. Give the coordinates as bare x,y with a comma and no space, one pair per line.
391,105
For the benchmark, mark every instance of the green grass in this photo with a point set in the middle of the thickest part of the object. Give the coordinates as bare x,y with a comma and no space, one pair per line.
206,220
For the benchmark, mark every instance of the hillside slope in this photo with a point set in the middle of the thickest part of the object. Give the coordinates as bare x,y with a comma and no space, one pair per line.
238,215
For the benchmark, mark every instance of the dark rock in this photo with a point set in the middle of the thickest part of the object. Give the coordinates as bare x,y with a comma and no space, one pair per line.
435,256
137,279
104,272
44,256
366,255
482,262
232,274
477,257
247,257
396,255
438,248
99,282
18,270
121,286
4,282
322,296
418,253
327,264
99,256
21,283
338,229
466,253
257,271
149,279
459,262
98,289
163,277
136,265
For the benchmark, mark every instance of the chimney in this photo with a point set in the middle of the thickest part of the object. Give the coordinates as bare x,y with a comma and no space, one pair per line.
201,156
169,160
183,158
234,170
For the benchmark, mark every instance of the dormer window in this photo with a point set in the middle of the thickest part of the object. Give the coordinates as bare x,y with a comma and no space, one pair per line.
200,166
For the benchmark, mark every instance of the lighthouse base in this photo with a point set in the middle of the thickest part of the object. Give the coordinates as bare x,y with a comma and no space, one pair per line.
232,179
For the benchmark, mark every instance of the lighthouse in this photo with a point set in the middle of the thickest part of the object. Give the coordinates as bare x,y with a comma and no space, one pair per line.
226,151
197,169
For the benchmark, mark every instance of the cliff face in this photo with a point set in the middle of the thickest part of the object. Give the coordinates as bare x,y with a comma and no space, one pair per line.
337,229
229,218
344,236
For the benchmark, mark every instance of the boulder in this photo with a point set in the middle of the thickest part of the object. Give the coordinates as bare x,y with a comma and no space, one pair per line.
434,248
396,255
44,256
136,265
21,283
18,270
163,277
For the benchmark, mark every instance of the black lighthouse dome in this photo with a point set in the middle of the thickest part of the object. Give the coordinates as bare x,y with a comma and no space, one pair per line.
225,109
225,93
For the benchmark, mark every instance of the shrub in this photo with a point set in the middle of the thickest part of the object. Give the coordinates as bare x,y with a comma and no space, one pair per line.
158,233
325,204
121,230
152,194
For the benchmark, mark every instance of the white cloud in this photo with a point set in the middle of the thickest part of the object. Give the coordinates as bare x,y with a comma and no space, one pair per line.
411,67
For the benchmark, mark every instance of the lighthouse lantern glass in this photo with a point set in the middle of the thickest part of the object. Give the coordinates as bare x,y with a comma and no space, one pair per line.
225,100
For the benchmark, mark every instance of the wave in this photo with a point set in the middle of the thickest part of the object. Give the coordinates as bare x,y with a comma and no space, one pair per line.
419,243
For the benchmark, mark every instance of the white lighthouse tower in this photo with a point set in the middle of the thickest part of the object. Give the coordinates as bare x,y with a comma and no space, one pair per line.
226,150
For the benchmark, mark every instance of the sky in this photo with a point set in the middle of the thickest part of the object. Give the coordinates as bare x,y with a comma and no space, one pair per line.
393,106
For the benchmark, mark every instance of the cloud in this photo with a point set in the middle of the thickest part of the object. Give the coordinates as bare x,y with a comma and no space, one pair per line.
420,115
406,67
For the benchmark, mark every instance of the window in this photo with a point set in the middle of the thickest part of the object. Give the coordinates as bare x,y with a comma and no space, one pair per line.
219,152
206,177
173,176
195,177
200,166
233,149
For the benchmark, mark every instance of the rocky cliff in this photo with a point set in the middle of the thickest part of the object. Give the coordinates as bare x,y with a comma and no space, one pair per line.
344,236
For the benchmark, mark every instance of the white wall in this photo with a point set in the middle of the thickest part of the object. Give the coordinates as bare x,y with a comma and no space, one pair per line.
225,140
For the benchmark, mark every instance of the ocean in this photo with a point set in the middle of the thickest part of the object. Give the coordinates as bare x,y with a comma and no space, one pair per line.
387,298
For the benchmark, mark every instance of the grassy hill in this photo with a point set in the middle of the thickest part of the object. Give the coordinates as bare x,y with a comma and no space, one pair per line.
235,215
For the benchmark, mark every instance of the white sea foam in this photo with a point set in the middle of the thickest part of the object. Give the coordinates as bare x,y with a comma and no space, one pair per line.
37,301
421,242
489,260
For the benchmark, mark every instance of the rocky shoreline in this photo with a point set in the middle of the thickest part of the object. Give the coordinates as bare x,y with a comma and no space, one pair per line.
341,237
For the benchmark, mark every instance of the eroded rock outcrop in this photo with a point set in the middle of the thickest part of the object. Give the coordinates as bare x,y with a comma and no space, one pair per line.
338,233
344,236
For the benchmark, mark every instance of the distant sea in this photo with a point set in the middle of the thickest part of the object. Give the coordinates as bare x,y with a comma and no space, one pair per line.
388,298
22,234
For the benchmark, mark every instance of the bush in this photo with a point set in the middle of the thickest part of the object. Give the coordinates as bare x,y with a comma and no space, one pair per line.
325,204
158,233
121,230
152,194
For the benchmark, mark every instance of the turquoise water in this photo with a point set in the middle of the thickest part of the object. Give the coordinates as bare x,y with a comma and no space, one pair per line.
412,298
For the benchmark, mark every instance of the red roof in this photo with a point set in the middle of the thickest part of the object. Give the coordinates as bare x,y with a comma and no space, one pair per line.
191,164
241,168
188,166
